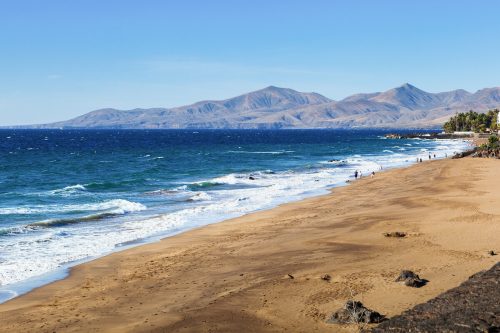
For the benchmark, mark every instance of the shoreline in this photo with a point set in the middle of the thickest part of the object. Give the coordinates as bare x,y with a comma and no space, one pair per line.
11,291
329,234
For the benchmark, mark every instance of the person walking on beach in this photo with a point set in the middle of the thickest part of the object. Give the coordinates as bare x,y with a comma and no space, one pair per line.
373,174
429,156
356,174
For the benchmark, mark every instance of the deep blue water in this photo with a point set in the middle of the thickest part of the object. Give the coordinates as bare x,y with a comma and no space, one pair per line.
71,195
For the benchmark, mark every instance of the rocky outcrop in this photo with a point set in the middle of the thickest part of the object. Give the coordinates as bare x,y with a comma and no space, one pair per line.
355,312
474,306
411,279
487,153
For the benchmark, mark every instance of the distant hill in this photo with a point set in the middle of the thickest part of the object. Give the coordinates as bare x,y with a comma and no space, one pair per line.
272,107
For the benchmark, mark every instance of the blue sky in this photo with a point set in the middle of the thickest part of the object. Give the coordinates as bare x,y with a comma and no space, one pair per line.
60,59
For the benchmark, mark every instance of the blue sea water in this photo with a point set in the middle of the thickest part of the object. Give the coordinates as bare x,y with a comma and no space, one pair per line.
73,195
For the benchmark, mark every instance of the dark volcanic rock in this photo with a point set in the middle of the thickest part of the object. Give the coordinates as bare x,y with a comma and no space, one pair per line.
415,283
474,306
326,277
411,279
355,312
464,154
397,234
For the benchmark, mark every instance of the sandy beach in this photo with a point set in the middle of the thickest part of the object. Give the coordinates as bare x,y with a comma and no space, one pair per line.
234,276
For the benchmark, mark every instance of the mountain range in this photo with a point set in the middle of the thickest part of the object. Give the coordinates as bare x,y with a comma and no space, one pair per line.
271,108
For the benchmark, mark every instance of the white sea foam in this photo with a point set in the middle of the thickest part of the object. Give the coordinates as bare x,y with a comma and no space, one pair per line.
116,205
200,196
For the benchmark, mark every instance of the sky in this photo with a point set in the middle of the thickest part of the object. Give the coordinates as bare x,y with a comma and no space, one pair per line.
61,59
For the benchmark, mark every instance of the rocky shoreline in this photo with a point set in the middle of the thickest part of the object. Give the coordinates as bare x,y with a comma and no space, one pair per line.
429,136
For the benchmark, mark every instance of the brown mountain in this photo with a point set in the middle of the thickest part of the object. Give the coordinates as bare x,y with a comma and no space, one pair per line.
273,107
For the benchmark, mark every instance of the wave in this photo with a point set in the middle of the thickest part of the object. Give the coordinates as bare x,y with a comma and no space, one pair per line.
122,206
162,192
274,152
336,162
70,189
118,206
112,208
66,221
204,184
201,196
12,231
112,185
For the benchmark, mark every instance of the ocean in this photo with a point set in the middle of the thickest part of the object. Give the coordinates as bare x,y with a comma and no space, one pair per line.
67,196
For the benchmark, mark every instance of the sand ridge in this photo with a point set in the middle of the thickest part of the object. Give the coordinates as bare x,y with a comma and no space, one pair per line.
233,276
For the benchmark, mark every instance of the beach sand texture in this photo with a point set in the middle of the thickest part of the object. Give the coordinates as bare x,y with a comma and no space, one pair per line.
233,276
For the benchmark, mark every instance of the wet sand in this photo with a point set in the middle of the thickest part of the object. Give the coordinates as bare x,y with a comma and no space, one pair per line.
233,276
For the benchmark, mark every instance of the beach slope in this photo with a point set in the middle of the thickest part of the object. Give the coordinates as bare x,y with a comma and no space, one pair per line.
262,272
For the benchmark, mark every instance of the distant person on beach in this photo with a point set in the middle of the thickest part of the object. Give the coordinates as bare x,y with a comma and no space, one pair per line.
356,174
429,156
420,160
373,174
434,155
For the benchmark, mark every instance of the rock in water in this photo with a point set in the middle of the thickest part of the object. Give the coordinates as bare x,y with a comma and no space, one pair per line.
355,312
410,279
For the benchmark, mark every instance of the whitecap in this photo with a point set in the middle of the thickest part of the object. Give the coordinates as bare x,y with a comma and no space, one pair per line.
200,196
69,189
116,205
